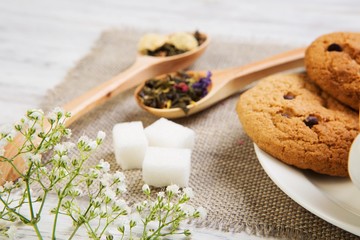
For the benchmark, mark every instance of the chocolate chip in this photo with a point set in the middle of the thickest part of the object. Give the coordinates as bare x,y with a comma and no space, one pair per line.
334,48
285,115
310,121
289,96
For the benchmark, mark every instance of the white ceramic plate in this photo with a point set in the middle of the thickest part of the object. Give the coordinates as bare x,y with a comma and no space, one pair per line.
336,200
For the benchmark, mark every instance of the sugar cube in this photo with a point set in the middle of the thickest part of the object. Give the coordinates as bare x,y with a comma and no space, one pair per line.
130,144
165,133
166,166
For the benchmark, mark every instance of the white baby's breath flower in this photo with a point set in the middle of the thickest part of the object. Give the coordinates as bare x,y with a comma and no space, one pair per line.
51,116
135,217
31,158
36,159
106,210
56,135
59,173
173,189
161,194
93,173
122,222
138,206
60,148
84,139
8,137
21,183
97,201
109,193
121,203
121,187
146,189
202,213
109,233
101,135
106,179
188,192
36,113
38,127
43,170
9,185
104,166
63,172
65,159
188,209
93,145
58,111
119,176
77,191
154,204
56,157
67,133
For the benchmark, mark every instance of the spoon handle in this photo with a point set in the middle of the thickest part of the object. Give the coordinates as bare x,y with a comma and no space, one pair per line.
238,78
134,75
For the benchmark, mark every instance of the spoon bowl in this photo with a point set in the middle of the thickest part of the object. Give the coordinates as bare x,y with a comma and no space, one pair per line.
143,68
230,81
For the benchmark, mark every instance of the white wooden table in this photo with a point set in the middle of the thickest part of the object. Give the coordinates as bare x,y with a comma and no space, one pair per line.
40,39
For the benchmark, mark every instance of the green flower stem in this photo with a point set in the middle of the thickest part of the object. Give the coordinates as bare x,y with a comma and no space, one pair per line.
148,219
29,193
108,224
158,231
75,230
58,208
75,173
90,230
79,225
23,219
42,203
34,220
56,218
37,231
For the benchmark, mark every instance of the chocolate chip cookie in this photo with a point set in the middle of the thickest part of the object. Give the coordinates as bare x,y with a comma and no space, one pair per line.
333,62
293,120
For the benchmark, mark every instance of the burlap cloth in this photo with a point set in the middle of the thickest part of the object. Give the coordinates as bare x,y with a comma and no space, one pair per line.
226,175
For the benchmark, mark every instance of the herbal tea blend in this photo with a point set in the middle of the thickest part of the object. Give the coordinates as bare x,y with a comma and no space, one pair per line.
163,46
177,90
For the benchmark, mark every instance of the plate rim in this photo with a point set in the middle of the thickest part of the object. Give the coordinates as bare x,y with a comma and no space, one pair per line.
318,203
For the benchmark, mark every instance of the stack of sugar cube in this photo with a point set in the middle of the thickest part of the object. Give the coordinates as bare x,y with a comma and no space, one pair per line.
162,150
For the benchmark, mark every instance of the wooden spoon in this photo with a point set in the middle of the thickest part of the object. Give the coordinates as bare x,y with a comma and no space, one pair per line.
354,159
230,81
143,68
